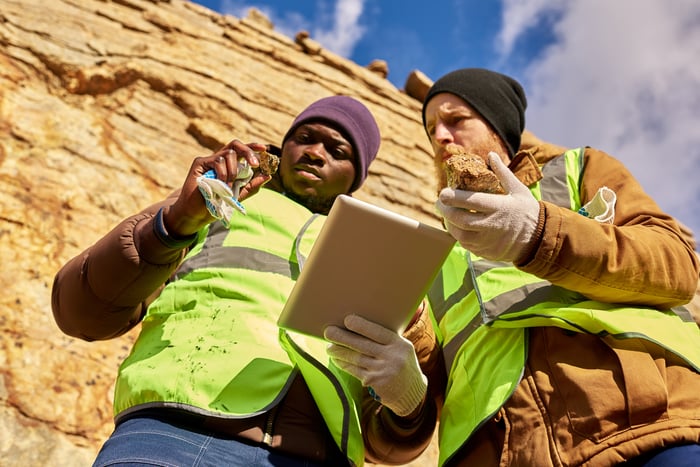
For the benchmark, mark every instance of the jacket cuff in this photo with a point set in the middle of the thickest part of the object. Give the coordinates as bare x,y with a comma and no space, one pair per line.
418,426
536,239
150,247
171,241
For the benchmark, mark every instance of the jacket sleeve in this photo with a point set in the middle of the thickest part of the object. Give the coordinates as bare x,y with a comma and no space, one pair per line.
642,258
390,439
103,292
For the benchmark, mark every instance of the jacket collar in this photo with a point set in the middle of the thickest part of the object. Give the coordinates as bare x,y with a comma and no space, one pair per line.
525,167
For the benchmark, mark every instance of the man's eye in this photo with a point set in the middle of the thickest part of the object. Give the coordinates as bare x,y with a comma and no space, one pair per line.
340,153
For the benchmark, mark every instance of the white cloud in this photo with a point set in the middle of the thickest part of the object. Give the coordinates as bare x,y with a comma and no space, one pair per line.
346,29
519,16
622,76
338,31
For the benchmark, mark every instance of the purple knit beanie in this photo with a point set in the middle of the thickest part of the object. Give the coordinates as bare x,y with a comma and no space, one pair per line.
356,123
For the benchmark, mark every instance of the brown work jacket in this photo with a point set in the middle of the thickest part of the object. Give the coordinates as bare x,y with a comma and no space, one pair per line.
584,400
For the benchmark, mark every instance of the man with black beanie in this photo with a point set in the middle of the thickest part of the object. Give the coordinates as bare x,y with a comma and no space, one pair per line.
554,310
498,98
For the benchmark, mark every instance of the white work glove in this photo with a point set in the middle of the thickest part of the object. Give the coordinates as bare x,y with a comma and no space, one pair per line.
219,197
602,207
498,227
384,361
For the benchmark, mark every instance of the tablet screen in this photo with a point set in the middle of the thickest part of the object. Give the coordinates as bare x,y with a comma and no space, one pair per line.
367,261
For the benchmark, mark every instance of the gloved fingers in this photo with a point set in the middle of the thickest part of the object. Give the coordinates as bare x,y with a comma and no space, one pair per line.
217,197
394,374
470,201
232,202
369,329
205,188
458,217
369,372
214,209
352,370
366,369
233,170
450,197
511,184
245,173
462,236
378,349
351,340
347,357
475,234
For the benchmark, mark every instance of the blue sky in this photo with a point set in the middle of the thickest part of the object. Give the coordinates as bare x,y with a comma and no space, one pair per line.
620,75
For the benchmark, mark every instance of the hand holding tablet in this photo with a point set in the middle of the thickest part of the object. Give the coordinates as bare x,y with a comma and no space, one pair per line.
367,261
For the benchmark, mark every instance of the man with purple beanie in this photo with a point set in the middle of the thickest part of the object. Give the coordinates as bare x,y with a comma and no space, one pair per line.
355,138
211,380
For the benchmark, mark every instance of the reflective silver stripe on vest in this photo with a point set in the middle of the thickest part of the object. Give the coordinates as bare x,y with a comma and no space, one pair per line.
554,189
553,186
528,295
502,305
683,313
441,304
242,257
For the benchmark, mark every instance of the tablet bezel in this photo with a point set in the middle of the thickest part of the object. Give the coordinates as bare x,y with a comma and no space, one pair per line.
388,264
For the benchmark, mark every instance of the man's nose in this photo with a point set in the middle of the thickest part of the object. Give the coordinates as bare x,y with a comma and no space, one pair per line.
443,134
316,151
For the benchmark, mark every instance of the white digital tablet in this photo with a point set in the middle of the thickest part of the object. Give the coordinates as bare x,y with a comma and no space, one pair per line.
367,261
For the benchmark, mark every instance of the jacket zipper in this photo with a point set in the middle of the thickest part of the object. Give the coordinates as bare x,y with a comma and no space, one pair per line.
269,426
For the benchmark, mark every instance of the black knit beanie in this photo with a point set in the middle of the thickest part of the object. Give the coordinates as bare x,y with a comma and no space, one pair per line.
497,97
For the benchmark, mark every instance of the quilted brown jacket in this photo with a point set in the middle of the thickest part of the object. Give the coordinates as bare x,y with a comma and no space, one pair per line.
103,292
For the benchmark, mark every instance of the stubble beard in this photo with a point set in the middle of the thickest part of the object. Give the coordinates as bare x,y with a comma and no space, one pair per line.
314,203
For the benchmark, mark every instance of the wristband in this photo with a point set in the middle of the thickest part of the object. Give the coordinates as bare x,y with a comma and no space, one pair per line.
166,239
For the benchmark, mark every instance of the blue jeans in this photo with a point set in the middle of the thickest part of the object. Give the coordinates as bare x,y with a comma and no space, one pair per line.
144,441
675,456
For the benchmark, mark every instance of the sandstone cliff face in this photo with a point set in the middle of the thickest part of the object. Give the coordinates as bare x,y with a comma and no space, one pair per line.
103,104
